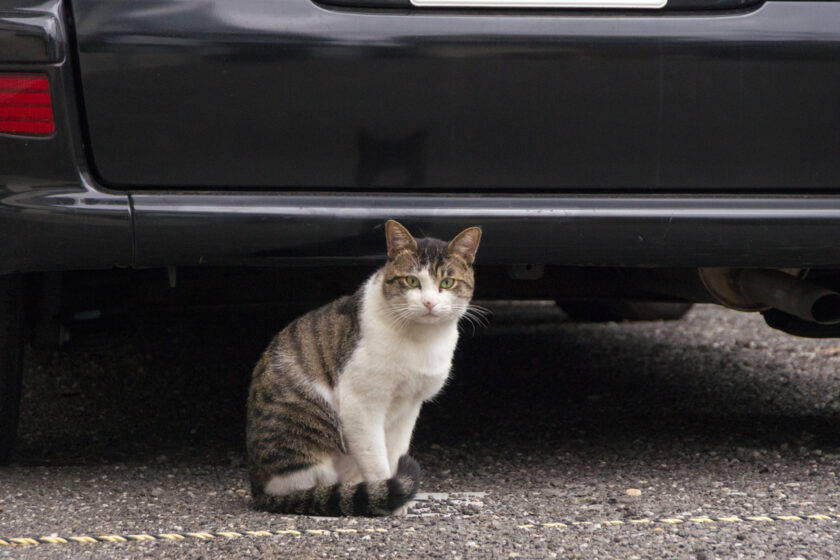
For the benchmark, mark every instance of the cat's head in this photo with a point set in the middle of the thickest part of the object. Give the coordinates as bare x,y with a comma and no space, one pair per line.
427,280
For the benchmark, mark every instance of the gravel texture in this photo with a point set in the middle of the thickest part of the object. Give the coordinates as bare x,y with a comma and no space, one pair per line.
139,429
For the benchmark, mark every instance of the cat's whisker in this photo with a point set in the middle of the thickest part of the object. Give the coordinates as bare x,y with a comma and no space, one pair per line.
479,310
471,324
476,313
474,318
400,318
476,324
480,321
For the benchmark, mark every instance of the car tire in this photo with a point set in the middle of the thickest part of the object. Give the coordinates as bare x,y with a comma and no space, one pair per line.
602,311
11,360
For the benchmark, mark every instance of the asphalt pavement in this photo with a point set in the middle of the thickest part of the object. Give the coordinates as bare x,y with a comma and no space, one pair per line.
710,437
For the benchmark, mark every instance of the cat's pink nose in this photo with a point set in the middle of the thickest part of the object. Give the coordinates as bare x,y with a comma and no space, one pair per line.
429,304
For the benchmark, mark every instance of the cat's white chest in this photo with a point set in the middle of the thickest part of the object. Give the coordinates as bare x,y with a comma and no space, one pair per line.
407,367
393,363
421,366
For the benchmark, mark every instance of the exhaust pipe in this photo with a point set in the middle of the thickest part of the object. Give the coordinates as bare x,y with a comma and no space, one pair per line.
757,290
793,296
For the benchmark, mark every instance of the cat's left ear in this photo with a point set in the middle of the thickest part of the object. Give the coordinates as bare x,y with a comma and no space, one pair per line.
465,244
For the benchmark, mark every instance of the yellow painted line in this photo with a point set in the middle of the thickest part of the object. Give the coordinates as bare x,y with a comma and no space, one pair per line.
112,538
89,540
204,535
201,535
171,537
24,541
753,519
53,540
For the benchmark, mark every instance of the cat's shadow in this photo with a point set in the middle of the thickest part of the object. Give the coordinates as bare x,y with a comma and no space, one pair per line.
543,385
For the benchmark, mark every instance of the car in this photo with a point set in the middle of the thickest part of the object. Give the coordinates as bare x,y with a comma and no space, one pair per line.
625,158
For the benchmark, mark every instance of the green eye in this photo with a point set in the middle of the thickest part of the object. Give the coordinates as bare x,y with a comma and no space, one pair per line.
412,281
447,283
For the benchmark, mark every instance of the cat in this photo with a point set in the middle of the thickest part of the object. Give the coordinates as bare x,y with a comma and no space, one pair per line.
334,398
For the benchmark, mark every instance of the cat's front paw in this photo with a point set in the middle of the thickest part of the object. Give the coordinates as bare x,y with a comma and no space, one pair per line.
403,510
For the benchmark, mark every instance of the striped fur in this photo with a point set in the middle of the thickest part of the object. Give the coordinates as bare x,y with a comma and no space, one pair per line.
334,398
362,499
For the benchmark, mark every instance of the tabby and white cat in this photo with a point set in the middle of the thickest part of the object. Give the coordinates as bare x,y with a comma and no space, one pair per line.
334,399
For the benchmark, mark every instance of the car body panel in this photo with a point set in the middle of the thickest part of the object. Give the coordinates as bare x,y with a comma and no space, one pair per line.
57,214
291,95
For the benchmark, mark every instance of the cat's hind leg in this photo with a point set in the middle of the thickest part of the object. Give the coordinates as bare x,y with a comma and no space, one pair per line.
347,469
322,474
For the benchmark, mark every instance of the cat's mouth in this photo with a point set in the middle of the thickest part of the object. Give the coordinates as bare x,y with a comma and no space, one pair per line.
431,317
427,317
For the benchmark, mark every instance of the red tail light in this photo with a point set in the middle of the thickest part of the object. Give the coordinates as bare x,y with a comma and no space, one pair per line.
25,105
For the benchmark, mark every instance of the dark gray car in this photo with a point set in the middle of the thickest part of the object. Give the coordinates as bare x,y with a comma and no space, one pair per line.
615,152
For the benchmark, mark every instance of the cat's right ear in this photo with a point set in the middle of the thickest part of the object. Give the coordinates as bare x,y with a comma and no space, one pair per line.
398,239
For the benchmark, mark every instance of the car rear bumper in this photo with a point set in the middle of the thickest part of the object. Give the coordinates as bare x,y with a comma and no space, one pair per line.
673,231
78,227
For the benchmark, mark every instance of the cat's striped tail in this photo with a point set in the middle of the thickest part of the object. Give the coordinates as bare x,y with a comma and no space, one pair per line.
365,498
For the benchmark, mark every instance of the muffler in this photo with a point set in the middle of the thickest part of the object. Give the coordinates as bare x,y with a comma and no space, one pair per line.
785,290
